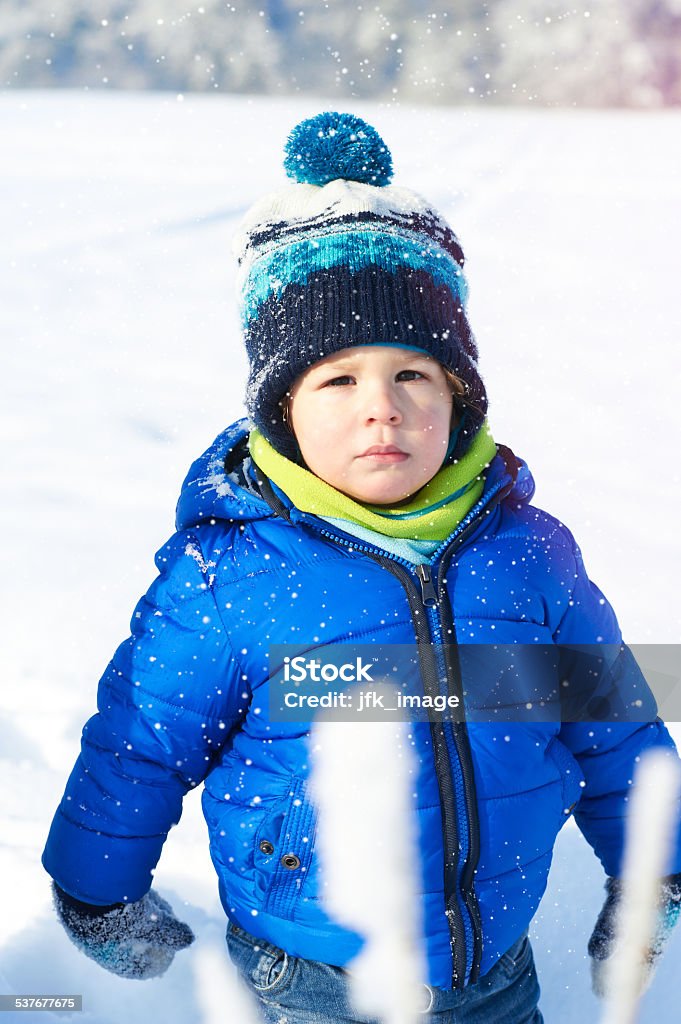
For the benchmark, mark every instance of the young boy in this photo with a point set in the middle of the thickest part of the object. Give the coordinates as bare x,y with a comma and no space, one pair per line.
366,502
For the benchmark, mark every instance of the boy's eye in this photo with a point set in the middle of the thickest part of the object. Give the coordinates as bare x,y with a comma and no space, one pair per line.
344,379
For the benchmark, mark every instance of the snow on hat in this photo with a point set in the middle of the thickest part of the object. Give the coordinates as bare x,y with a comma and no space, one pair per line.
343,258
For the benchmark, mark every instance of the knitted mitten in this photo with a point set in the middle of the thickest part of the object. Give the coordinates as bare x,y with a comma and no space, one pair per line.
134,940
603,936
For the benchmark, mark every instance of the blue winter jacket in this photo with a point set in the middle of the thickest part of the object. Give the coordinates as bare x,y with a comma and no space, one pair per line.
185,700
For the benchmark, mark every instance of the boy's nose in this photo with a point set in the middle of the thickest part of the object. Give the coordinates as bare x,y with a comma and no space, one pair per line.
382,406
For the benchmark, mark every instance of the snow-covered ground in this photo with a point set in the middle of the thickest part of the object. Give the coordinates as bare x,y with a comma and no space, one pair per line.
122,362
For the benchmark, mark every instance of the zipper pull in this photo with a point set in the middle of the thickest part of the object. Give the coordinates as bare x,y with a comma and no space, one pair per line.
428,594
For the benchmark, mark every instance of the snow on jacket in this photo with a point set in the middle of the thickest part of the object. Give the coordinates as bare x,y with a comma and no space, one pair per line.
185,700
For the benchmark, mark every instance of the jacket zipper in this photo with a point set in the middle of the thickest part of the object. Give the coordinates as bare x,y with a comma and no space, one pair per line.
444,768
445,771
460,740
428,592
458,729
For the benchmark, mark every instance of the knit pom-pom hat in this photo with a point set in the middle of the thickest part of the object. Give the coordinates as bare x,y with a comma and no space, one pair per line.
343,258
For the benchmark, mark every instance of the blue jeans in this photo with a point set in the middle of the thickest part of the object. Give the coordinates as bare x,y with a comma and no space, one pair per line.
290,990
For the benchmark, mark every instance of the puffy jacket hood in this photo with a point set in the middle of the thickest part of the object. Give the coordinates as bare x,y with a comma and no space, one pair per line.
217,484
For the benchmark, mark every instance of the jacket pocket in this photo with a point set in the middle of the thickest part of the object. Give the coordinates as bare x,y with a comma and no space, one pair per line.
267,841
571,776
264,966
516,960
284,845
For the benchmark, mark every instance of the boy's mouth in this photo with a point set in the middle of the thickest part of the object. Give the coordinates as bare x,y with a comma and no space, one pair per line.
384,453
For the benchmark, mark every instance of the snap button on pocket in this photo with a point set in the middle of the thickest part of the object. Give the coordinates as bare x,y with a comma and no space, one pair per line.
266,847
290,861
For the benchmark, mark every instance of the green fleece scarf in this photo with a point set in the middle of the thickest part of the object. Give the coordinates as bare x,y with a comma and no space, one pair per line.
432,514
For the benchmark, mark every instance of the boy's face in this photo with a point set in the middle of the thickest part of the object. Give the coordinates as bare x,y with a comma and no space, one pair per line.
373,421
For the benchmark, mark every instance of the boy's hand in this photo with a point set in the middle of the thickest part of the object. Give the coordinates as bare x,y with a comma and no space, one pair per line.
602,939
134,940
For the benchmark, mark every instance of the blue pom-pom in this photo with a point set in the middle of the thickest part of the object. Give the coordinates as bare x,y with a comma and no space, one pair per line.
331,146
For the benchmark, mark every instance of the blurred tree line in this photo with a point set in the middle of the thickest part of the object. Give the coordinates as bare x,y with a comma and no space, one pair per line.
542,52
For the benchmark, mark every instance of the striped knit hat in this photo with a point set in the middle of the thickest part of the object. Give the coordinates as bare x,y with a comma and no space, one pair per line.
343,258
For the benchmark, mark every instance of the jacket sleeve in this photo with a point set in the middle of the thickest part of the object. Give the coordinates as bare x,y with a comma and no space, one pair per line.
167,703
618,722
